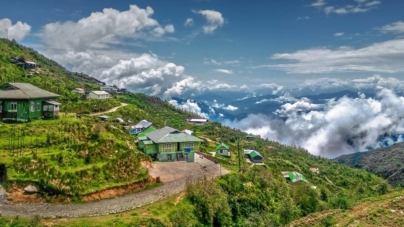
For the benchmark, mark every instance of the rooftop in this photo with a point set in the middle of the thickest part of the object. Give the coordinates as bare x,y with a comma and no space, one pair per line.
24,91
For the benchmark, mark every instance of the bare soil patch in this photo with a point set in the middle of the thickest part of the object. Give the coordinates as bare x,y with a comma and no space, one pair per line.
118,190
16,194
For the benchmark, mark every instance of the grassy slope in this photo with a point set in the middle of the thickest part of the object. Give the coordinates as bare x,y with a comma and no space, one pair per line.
83,150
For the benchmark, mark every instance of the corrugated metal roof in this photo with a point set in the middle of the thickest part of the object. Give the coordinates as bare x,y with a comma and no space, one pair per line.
170,135
178,137
158,134
53,103
142,124
100,92
24,91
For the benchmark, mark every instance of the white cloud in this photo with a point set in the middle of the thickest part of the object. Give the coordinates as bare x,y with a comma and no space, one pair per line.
340,127
16,31
303,18
396,27
361,7
216,62
319,3
189,106
214,20
339,34
231,108
189,22
272,86
101,29
369,85
226,71
384,57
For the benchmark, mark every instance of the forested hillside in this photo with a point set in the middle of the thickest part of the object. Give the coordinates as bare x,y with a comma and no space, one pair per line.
387,162
71,157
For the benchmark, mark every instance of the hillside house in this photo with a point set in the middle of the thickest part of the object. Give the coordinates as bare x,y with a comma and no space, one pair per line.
253,155
29,65
223,149
109,89
98,95
24,102
293,176
250,137
140,127
197,121
79,91
169,144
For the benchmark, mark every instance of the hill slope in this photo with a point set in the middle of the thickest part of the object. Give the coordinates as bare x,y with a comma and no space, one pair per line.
74,156
387,162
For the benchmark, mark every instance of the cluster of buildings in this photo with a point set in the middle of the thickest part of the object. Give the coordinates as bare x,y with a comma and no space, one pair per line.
104,92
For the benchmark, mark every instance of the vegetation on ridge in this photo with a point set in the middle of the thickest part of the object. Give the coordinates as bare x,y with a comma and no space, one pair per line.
72,156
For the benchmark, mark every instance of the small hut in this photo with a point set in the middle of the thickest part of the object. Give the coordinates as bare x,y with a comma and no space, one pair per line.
223,149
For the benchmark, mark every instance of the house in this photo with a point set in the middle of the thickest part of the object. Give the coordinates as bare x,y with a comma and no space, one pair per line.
98,95
140,127
293,176
223,149
250,137
169,144
24,102
109,89
197,121
118,120
29,65
122,90
253,155
79,91
104,118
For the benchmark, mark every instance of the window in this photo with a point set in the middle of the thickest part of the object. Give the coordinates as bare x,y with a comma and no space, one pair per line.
190,144
32,106
167,146
38,106
13,106
169,157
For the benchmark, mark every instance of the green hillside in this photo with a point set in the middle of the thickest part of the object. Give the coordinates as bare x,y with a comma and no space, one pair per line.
387,162
70,157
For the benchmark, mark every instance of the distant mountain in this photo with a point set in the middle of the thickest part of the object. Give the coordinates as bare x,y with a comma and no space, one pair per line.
387,162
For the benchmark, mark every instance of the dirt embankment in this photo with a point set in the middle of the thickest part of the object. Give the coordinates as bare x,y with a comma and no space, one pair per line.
118,190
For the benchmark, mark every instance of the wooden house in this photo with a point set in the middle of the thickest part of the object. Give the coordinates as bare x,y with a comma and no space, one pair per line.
98,95
253,155
24,102
223,149
169,144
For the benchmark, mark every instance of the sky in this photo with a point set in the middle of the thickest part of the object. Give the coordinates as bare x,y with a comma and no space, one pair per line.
168,48
289,48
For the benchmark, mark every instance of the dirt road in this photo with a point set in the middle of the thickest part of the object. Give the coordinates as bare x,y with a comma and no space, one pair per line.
109,111
193,172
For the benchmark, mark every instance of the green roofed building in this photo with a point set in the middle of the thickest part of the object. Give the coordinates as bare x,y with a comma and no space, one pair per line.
169,144
294,176
223,149
24,102
253,155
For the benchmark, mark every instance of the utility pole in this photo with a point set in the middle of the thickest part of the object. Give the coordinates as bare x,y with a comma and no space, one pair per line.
239,159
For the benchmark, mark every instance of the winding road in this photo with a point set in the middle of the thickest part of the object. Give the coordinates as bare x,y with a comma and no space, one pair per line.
118,204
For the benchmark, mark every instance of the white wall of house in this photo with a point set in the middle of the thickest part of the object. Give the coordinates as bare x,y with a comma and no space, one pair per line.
92,95
223,151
